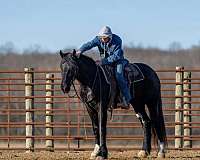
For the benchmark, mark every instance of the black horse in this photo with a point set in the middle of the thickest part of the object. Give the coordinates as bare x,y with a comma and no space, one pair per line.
92,79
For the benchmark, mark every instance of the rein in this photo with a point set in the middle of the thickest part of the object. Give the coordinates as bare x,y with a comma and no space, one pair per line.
76,93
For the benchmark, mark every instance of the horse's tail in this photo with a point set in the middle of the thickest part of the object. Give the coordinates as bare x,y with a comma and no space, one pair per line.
157,119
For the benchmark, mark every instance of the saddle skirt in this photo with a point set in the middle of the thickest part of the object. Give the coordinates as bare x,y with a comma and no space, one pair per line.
133,73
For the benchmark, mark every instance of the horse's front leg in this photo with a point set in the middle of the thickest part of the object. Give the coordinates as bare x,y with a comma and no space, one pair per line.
103,151
95,125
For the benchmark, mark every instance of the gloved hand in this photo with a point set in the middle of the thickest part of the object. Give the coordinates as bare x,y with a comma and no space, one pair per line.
98,62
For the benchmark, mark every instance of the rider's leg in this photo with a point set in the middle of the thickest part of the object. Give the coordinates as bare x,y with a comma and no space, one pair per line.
122,82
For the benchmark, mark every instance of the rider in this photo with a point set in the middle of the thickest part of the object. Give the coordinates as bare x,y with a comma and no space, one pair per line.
110,48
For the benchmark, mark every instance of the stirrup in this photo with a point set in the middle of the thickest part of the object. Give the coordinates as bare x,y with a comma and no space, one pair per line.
127,106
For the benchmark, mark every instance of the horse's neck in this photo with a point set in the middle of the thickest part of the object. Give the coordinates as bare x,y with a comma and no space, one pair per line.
87,74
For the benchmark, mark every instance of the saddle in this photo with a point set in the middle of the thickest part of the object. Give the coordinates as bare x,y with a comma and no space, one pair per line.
133,74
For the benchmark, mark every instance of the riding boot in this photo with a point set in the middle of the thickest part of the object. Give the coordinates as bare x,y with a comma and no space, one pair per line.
123,84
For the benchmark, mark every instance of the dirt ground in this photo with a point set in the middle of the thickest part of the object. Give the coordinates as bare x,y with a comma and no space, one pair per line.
83,155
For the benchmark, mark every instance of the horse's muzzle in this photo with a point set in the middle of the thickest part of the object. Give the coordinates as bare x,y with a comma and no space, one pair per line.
65,88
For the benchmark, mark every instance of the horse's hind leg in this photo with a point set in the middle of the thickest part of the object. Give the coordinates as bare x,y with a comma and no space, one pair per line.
157,119
146,124
95,124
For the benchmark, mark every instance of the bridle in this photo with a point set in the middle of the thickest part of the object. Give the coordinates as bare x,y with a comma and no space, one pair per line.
72,80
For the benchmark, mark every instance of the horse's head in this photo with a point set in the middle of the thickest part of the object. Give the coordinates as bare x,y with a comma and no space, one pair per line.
69,69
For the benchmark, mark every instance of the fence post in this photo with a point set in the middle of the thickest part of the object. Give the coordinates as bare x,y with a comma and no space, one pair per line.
29,105
187,107
178,106
49,112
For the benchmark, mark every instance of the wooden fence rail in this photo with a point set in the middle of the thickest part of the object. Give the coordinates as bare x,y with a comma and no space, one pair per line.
180,107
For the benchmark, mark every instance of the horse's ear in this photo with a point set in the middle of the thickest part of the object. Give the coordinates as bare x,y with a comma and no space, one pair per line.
61,54
74,52
74,55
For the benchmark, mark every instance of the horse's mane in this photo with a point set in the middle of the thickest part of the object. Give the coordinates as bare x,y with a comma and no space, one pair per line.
87,59
83,58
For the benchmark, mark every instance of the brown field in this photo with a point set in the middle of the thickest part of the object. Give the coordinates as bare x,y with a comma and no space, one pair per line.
83,155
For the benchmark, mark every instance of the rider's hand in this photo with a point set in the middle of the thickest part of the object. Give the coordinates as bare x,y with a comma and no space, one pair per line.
103,61
98,62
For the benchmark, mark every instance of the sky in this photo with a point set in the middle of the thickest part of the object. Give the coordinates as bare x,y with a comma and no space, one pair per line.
58,24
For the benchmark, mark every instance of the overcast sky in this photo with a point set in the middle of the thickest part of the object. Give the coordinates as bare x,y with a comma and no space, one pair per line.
57,24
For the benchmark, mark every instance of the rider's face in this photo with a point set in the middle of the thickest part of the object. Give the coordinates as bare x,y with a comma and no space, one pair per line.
105,39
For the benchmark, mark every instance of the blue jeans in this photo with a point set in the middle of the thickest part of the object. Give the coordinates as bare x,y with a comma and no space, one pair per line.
121,80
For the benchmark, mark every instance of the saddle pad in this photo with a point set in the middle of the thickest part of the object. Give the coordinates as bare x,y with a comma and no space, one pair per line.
133,73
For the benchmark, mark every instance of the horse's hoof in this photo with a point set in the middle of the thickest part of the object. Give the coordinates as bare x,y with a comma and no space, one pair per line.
142,154
100,158
161,155
92,156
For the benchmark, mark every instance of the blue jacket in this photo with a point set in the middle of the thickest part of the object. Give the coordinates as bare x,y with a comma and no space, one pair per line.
113,48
